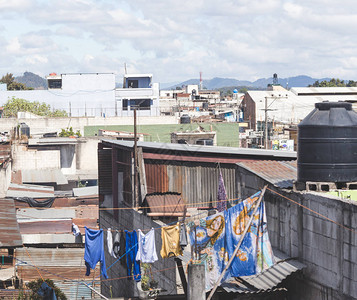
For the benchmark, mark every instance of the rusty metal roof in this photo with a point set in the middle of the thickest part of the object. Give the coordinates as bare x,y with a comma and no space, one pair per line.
165,204
30,190
268,280
10,232
279,173
48,226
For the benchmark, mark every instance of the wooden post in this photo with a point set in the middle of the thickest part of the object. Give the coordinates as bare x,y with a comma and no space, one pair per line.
238,245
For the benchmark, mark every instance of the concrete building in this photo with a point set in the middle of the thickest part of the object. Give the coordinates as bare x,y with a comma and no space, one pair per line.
60,162
290,107
94,94
138,92
80,94
190,173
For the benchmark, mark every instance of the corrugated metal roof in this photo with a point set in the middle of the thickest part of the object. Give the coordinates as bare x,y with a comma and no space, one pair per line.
85,191
279,173
206,149
58,265
6,274
267,280
9,228
45,175
165,203
30,190
53,226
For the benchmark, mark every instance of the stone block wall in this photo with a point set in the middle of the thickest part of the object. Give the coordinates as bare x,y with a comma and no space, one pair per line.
328,250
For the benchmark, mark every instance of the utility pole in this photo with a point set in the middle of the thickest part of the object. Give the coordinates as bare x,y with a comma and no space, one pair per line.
266,122
135,163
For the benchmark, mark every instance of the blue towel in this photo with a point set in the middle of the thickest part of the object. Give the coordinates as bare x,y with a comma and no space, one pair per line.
94,250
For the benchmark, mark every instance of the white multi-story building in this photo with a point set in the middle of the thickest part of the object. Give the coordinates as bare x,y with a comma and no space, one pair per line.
140,93
94,94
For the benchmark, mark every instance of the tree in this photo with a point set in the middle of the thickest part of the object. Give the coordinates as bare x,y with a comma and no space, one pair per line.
13,85
15,105
35,285
332,83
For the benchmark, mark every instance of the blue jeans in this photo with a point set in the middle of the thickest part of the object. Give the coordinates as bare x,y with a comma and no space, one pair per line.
131,241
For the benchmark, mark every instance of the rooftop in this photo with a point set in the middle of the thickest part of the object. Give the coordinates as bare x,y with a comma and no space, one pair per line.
200,149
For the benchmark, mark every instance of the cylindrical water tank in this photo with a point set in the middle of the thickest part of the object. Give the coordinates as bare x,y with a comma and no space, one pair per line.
327,144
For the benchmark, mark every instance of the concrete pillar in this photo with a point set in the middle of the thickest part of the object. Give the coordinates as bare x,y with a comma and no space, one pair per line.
196,282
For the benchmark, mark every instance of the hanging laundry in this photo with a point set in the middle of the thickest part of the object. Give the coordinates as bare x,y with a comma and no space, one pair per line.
216,237
208,240
94,250
116,244
170,236
183,236
110,242
255,253
222,195
75,230
133,266
147,249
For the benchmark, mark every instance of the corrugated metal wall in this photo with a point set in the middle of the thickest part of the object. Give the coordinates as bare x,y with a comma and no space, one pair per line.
64,266
198,184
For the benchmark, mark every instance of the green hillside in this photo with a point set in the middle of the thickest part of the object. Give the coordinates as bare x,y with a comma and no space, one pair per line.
227,133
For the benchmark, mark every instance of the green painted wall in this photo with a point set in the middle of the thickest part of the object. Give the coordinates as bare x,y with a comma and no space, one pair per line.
227,133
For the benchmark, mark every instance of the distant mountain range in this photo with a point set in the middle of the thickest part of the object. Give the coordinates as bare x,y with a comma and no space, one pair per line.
262,83
32,80
37,82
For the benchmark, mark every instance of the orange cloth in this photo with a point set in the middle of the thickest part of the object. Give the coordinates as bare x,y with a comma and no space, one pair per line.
170,236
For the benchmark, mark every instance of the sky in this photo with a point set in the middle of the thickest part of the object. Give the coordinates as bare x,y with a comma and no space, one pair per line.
176,40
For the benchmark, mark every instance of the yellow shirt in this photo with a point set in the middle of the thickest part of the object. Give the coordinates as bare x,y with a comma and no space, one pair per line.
170,236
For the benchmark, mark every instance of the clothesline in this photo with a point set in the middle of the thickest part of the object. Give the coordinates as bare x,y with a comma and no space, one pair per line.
145,207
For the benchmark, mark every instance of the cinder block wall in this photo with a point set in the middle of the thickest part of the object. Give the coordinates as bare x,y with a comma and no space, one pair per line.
117,286
328,250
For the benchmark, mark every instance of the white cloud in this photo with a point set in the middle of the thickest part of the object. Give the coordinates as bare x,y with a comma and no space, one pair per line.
175,40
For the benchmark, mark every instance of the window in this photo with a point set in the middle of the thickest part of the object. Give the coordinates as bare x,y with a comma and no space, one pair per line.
125,104
140,104
133,84
54,83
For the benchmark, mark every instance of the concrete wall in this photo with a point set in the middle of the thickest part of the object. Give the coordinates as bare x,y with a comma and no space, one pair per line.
87,154
43,125
33,159
130,219
329,251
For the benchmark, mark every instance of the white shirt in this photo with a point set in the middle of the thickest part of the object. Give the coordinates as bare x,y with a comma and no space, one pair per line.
147,249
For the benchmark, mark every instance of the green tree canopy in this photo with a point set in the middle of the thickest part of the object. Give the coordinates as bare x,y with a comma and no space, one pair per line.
15,105
13,85
35,285
334,83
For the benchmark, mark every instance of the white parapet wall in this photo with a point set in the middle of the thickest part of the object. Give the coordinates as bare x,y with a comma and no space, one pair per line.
43,125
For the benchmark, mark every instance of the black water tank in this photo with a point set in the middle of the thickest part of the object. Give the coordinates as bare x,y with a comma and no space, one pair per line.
185,119
327,144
